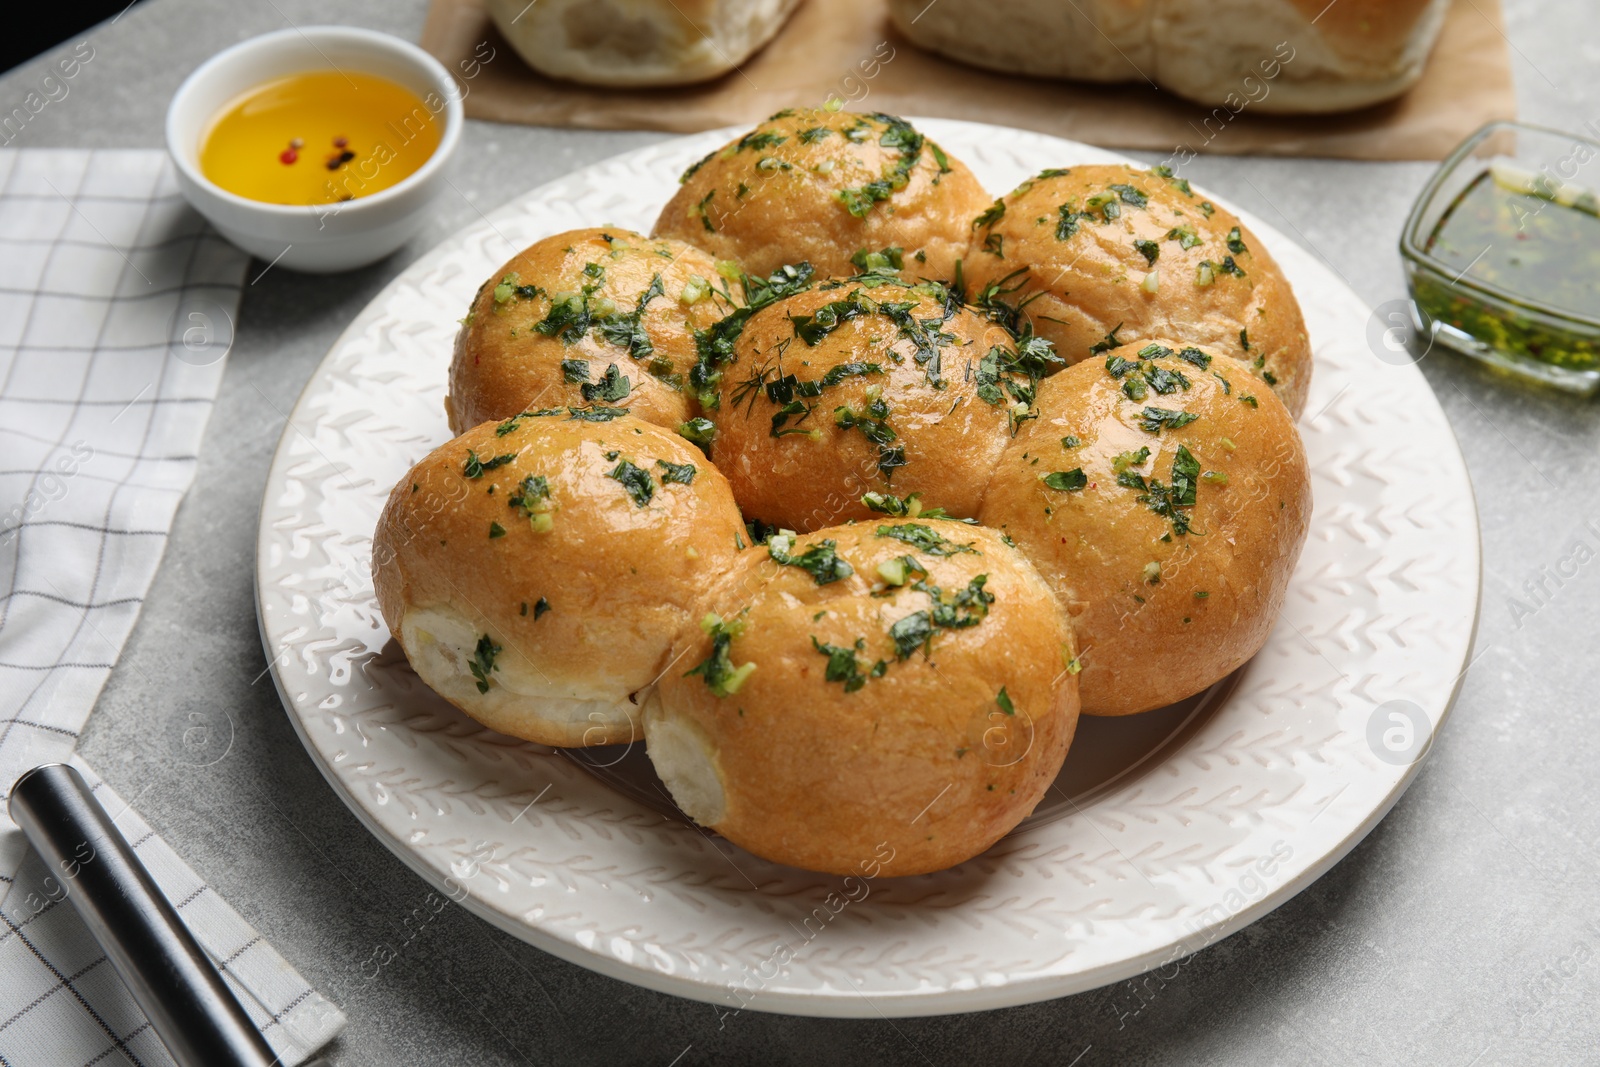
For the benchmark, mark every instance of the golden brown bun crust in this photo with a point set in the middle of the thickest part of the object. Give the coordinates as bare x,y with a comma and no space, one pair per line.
950,438
620,43
503,364
584,612
1082,287
1273,56
1145,645
791,210
918,769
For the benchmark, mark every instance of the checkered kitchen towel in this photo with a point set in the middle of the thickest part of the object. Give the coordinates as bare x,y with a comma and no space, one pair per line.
116,306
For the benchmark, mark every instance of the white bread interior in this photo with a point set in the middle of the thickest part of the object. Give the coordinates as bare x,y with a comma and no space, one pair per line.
686,762
440,642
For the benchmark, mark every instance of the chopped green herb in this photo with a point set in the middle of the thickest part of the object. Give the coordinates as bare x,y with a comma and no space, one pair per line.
901,569
483,664
1236,242
1124,460
842,665
540,606
759,140
1129,195
1169,500
1117,367
925,538
883,261
702,161
1069,217
1003,699
636,480
613,386
1107,344
909,508
698,430
1185,470
496,530
1249,399
1155,419
714,344
899,134
575,370
721,676
1066,481
594,414
822,560
873,422
993,214
1195,356
911,633
475,466
680,473
1185,236
1149,250
950,611
1165,381
1070,441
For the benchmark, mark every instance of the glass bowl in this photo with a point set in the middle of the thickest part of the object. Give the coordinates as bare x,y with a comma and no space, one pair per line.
1497,258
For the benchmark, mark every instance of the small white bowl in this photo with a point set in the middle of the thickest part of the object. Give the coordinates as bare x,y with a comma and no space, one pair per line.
333,237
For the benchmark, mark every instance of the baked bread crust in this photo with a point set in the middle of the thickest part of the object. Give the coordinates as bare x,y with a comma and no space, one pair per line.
545,330
818,186
1074,249
1272,56
921,764
1160,613
577,587
897,406
620,43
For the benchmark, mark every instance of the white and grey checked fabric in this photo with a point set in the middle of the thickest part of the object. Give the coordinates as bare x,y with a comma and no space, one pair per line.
116,306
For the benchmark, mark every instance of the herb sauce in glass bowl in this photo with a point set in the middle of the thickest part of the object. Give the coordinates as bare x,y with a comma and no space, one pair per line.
1502,254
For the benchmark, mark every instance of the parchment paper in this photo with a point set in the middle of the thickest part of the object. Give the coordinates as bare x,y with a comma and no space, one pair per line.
848,49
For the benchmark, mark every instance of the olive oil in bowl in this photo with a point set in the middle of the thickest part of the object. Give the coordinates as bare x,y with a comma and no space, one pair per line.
318,137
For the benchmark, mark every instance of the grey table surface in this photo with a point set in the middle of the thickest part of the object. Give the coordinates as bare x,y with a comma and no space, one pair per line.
1459,932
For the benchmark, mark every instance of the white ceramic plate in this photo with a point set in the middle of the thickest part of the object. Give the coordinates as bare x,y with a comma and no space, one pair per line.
1165,832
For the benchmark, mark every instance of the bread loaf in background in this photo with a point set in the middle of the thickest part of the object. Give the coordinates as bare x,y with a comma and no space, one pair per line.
622,43
1274,56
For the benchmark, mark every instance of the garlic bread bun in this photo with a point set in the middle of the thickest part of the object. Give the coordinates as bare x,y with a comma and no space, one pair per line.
536,571
817,186
886,691
601,315
627,43
1164,495
1097,256
857,387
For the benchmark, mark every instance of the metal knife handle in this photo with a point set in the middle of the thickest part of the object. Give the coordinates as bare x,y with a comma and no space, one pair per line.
192,1010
